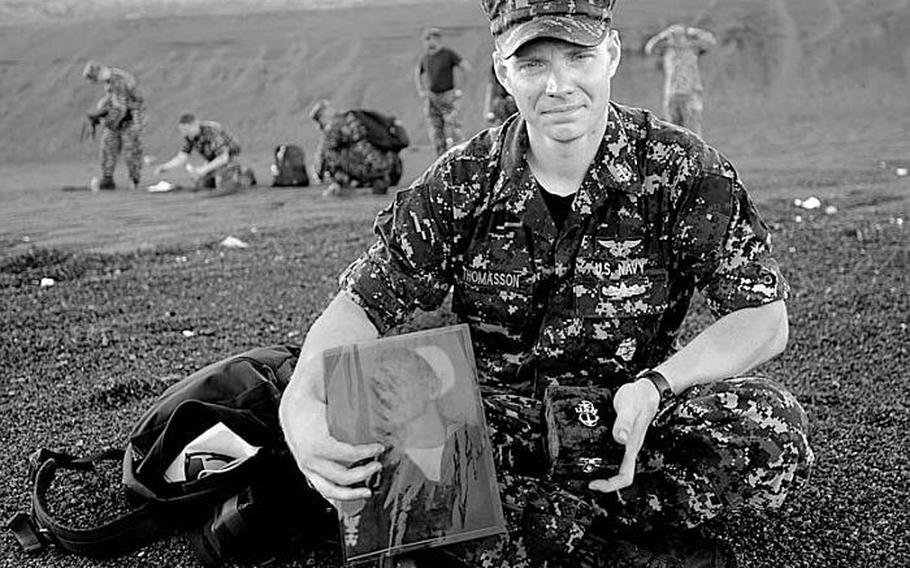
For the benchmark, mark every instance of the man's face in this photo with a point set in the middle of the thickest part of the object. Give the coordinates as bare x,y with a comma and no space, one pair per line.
431,42
189,130
561,89
104,73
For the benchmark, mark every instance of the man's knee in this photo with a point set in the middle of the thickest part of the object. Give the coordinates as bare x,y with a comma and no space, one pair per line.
753,437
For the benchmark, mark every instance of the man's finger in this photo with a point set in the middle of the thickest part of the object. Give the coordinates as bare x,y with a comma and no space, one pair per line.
342,475
332,492
337,451
626,475
623,478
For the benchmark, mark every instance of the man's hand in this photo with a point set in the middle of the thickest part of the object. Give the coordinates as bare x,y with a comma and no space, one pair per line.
636,406
324,461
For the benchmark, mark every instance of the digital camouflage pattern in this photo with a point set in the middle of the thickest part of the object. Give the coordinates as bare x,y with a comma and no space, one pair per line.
123,124
212,140
658,214
739,443
345,155
680,47
441,113
229,176
127,140
504,14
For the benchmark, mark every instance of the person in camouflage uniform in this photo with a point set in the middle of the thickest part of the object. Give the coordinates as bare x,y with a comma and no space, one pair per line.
679,48
572,239
121,114
222,172
345,158
498,104
435,79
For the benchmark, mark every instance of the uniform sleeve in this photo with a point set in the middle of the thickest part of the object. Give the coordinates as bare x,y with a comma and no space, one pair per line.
704,40
409,265
722,242
456,59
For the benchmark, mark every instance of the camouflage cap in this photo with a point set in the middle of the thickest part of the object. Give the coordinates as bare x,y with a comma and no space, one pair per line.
92,70
516,22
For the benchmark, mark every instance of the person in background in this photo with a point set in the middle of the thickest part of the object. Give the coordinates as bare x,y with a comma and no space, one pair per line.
346,158
498,104
680,47
440,88
121,114
222,170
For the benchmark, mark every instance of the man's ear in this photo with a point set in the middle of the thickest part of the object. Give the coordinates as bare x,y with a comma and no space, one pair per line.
499,67
614,49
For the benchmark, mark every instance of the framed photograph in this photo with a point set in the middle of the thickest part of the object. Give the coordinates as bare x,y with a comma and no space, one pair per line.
417,395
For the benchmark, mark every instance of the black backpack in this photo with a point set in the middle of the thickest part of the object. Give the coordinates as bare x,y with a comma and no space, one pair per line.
383,131
289,167
259,510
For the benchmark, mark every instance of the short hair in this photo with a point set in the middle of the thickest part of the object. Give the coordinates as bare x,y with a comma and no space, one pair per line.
432,32
187,118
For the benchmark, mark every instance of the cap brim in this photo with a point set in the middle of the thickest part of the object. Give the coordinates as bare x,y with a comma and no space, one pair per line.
580,31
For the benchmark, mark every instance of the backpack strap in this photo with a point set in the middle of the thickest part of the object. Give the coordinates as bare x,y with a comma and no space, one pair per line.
39,529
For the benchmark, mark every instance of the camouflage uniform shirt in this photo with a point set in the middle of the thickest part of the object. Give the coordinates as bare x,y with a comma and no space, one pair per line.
658,213
123,90
211,141
121,95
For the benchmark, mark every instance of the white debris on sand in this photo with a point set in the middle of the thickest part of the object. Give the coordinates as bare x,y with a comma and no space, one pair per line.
809,203
188,333
901,172
830,210
161,187
47,282
233,242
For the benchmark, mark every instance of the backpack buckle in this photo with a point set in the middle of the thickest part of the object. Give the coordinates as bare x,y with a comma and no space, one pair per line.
30,537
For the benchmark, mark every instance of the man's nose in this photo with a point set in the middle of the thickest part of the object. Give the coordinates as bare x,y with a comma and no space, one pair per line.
559,81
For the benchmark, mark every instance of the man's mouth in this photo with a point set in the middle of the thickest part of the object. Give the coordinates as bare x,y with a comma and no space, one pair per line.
561,109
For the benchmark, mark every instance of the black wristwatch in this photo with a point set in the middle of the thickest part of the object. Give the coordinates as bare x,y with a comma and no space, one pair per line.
661,383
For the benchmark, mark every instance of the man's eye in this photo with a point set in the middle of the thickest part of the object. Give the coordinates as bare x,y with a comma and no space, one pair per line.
530,65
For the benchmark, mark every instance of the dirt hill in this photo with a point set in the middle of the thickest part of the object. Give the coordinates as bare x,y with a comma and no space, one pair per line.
824,78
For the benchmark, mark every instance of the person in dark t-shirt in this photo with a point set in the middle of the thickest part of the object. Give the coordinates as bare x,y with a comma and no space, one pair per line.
436,85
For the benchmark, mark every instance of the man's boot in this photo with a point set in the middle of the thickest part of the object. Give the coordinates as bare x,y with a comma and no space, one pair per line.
107,183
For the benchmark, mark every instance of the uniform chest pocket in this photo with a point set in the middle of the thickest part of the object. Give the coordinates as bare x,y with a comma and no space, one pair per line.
496,280
616,279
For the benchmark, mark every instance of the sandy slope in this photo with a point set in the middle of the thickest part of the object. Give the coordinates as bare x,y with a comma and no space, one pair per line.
804,74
